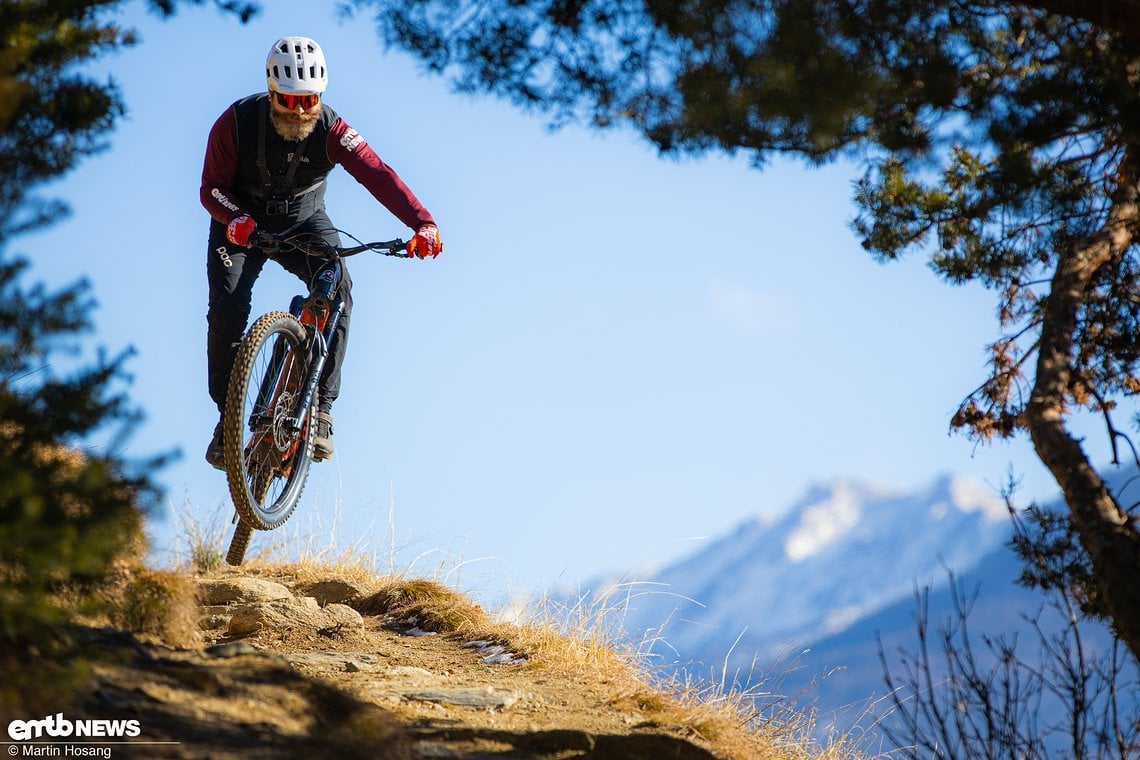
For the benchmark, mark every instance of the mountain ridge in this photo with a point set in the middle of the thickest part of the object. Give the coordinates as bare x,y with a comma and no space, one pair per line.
766,586
801,605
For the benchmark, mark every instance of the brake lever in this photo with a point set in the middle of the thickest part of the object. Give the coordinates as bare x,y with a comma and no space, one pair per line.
266,242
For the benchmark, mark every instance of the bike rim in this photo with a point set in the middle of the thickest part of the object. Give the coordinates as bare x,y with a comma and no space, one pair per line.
275,445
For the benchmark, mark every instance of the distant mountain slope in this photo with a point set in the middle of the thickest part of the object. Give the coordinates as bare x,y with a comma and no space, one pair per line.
851,660
854,687
799,605
854,691
842,552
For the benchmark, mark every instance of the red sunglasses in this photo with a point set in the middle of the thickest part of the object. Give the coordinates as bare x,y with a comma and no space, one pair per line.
293,101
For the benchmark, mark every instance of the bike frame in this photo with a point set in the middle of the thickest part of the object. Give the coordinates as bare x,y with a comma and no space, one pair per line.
319,313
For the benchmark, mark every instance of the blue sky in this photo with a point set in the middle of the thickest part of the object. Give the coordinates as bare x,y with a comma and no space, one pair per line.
616,356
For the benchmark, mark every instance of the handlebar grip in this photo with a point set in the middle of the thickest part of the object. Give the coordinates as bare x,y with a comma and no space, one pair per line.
260,237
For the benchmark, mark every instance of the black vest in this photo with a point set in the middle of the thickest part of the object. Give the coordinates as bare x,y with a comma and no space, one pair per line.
276,202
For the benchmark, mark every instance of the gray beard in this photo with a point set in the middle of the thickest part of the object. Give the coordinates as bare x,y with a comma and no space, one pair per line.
291,130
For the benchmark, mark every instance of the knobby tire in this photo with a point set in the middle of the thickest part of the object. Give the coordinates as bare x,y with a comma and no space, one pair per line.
239,543
266,464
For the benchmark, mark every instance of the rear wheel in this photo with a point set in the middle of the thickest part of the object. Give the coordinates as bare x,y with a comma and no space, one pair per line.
239,543
268,445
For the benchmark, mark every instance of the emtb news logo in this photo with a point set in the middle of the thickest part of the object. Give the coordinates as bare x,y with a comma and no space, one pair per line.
59,726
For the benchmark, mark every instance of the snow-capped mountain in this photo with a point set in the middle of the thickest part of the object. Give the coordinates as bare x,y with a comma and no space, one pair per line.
842,552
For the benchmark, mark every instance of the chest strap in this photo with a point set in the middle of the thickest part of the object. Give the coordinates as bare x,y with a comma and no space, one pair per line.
262,168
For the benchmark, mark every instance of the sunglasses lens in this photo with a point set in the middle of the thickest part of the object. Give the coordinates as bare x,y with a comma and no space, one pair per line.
292,101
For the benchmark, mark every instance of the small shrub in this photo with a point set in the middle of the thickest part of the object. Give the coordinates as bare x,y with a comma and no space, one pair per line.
437,607
161,603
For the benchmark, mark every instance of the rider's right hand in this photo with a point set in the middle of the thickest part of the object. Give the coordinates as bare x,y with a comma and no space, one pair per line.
426,242
239,230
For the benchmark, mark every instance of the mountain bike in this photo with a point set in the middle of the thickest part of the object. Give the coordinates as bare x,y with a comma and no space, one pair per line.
271,401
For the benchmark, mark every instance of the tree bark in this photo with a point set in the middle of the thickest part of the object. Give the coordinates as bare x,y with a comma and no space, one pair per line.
1107,533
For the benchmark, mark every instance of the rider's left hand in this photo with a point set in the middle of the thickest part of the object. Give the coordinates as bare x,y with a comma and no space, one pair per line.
426,242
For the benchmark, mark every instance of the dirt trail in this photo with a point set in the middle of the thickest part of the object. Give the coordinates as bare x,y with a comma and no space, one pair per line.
277,674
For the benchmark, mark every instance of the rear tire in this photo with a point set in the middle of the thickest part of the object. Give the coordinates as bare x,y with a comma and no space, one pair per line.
267,453
239,543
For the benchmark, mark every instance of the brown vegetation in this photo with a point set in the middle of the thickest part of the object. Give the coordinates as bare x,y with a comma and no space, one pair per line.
403,672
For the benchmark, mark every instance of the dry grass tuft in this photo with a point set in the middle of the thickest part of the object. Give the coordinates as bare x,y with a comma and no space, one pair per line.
202,540
436,607
160,603
305,574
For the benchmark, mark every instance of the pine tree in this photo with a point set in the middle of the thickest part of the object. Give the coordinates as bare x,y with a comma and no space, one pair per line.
999,139
68,509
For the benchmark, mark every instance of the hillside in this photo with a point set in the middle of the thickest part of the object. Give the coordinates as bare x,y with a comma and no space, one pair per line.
841,552
803,602
292,661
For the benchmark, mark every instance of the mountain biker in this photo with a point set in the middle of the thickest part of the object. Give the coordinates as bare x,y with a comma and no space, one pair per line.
267,158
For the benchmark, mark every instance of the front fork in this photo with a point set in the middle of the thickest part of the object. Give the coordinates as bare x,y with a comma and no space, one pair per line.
307,313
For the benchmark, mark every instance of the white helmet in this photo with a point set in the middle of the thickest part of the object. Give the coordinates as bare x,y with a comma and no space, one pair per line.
296,65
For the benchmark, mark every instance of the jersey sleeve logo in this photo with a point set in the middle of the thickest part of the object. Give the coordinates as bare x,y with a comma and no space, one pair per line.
222,199
351,140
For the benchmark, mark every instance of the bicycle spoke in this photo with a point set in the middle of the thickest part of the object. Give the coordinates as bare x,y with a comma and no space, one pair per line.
267,454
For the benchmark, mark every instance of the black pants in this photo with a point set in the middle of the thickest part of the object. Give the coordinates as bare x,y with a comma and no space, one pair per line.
231,271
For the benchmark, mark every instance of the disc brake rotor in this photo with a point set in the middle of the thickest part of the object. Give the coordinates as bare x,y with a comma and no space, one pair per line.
283,436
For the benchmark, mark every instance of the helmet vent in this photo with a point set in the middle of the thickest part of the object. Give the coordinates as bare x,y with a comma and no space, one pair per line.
297,64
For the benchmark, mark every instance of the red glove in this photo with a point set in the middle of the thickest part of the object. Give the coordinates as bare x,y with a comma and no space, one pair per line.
240,229
426,242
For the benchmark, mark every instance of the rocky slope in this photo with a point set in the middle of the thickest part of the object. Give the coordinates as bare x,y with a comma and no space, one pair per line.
292,666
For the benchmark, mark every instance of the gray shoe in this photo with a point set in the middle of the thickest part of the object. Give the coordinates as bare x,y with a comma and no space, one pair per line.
322,437
215,454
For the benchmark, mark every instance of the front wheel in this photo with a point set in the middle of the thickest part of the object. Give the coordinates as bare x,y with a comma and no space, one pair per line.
267,443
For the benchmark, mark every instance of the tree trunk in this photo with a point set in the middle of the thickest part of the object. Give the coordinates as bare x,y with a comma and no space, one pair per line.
1108,535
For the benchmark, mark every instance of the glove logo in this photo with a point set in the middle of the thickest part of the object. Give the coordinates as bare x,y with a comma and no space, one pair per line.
239,230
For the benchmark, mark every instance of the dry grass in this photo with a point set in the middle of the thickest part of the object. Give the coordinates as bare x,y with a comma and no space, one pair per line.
132,597
729,723
435,607
584,644
589,644
160,603
203,544
309,540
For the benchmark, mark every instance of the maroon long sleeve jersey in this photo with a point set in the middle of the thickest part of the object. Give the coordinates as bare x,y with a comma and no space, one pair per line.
233,184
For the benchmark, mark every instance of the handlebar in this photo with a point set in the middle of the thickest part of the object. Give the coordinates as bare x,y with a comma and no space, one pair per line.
312,244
